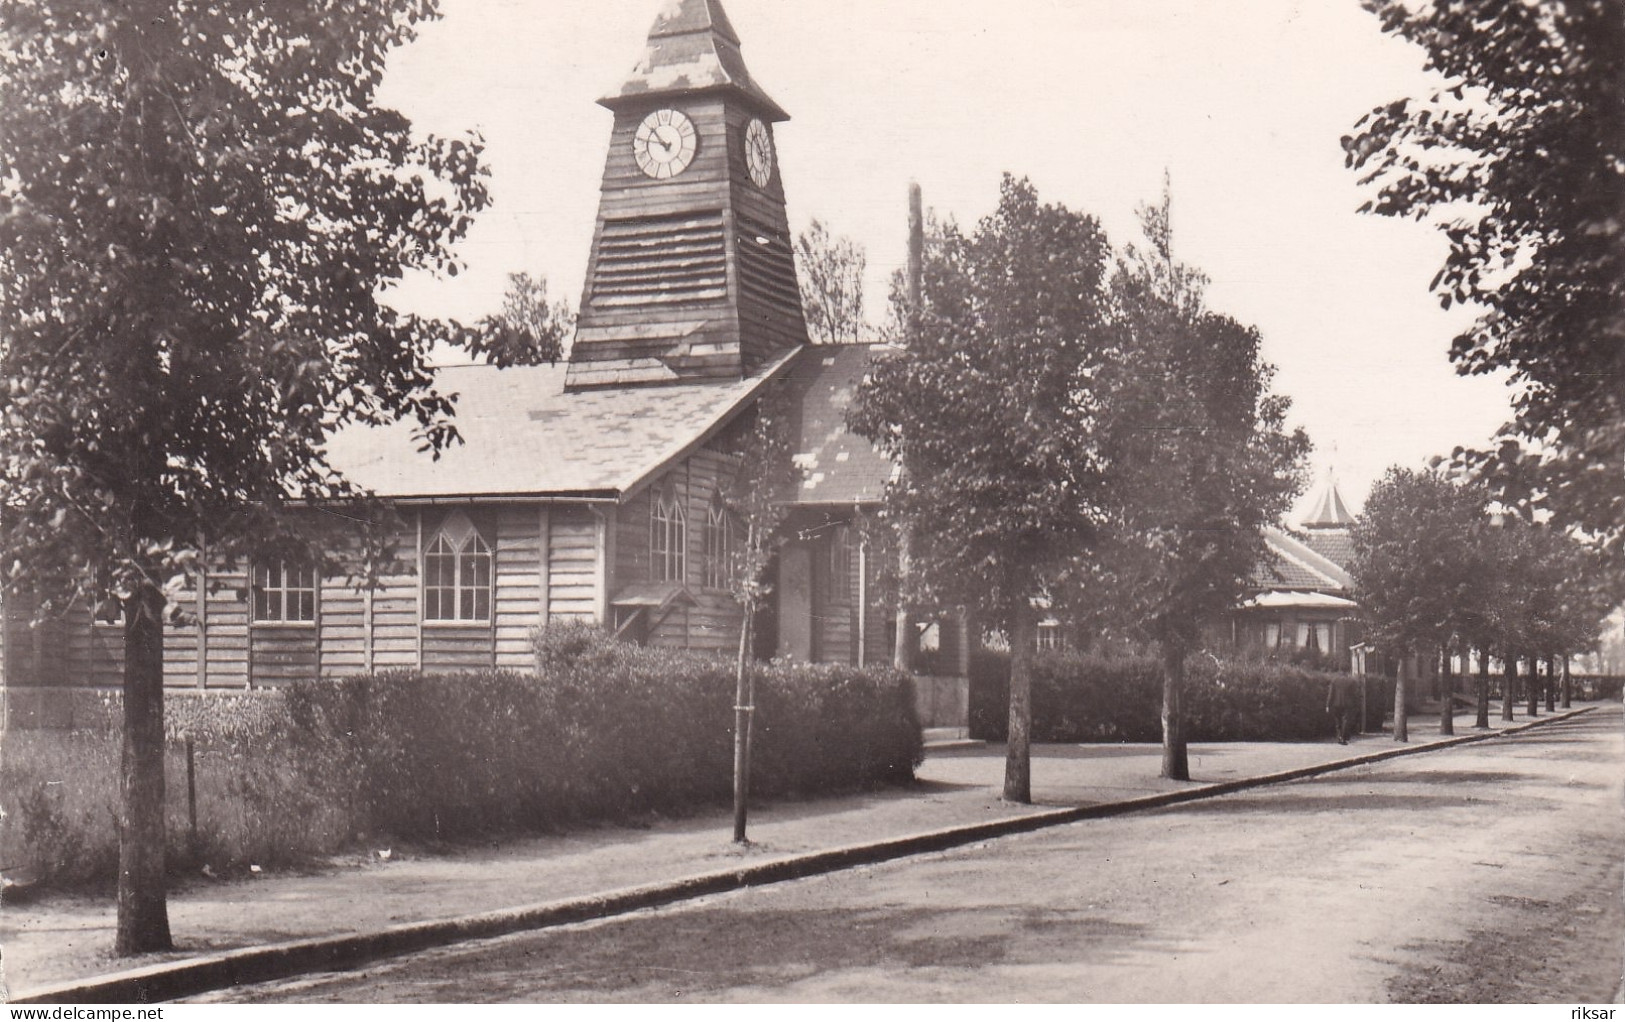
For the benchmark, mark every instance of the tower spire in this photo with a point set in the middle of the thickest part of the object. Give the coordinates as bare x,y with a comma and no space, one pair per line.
693,48
692,276
1329,511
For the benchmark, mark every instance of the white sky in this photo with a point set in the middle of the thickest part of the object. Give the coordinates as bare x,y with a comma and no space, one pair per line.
1242,101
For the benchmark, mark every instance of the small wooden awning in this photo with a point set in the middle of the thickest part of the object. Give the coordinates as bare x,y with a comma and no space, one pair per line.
641,607
660,596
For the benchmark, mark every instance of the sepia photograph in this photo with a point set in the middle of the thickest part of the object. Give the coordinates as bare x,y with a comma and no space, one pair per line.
673,502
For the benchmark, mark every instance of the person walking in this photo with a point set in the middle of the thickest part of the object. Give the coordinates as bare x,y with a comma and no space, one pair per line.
1342,702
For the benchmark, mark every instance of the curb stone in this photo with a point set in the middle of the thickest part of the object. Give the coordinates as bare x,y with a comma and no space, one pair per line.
169,980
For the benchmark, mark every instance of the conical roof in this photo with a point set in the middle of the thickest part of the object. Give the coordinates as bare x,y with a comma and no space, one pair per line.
693,48
681,17
1328,511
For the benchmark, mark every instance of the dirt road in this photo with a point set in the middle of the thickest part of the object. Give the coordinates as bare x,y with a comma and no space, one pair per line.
1491,872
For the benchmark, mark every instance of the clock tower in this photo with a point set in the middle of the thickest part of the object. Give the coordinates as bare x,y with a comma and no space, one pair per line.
692,275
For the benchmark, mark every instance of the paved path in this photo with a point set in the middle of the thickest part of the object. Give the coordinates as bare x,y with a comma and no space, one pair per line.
66,938
1414,879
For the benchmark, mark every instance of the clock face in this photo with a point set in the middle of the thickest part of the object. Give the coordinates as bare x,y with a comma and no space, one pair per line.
665,144
759,153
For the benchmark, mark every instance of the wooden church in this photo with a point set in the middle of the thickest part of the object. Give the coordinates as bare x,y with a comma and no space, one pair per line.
588,491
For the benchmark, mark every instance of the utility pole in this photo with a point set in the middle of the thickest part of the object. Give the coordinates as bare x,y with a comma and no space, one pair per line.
903,650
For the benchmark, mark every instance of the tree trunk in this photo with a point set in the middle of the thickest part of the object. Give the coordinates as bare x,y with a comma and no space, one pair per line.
1365,700
1018,781
1568,689
1532,684
1509,684
143,905
1175,759
1551,684
744,707
1483,720
1401,732
903,646
1447,694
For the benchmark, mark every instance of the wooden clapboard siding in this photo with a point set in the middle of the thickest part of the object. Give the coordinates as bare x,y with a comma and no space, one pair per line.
353,627
518,598
711,166
395,622
228,648
180,646
395,604
708,249
94,651
22,661
341,613
713,622
180,650
672,630
45,641
280,654
448,647
67,647
689,213
573,564
632,537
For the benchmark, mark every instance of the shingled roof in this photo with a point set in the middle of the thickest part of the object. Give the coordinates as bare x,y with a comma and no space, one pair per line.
693,46
525,436
1290,563
838,466
1336,545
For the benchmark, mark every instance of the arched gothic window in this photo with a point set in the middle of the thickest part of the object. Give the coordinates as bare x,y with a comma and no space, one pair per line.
668,538
457,573
718,547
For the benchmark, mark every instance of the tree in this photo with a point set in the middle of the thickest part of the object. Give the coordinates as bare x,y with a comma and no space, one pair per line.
1565,598
831,273
1203,461
754,504
1414,566
531,328
1478,620
990,406
200,205
1520,160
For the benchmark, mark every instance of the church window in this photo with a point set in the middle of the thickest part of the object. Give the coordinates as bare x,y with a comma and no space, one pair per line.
668,539
457,573
718,547
284,593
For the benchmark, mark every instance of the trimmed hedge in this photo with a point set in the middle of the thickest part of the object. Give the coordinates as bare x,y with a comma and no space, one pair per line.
1082,698
601,731
204,715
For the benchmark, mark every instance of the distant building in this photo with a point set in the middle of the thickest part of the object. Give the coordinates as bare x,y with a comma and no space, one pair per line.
1302,597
